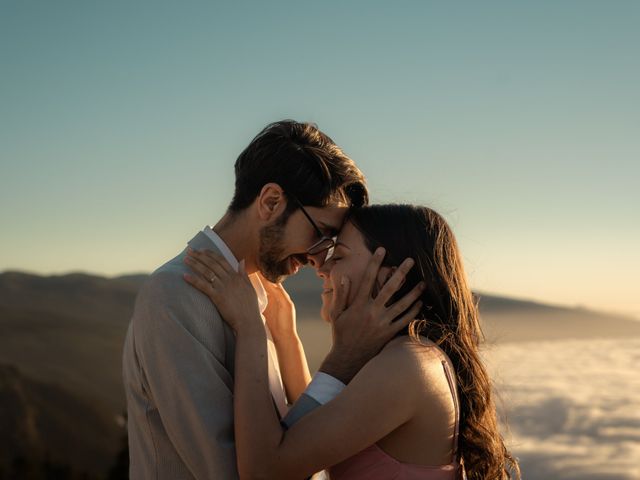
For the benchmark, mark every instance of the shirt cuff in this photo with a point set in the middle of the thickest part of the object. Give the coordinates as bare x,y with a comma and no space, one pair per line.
324,388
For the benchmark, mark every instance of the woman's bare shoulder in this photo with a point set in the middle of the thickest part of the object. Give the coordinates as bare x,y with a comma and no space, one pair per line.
420,361
421,351
406,374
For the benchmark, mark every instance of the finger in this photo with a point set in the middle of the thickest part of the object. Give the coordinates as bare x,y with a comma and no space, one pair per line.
205,271
265,281
206,267
405,302
210,257
200,283
407,318
371,273
340,298
392,285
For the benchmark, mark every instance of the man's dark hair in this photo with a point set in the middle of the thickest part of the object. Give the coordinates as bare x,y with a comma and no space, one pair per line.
304,161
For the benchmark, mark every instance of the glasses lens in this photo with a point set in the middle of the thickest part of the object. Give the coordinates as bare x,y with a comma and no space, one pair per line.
329,254
325,243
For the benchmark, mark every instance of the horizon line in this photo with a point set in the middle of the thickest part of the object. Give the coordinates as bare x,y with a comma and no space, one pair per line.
542,303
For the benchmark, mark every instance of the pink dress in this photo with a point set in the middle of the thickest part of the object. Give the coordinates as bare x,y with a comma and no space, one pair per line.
375,464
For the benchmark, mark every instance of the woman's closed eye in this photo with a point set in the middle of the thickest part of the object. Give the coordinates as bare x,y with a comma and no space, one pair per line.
335,254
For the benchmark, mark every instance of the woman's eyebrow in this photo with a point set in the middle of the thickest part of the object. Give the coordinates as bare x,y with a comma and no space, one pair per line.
340,244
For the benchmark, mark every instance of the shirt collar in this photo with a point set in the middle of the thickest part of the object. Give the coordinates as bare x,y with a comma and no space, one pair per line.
224,249
229,257
263,300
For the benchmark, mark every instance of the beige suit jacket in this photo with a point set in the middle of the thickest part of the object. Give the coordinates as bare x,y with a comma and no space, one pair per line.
178,365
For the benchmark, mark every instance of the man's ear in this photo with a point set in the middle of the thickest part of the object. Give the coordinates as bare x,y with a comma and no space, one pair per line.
271,202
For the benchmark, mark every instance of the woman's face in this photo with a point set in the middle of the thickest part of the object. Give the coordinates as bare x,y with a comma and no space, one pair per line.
350,260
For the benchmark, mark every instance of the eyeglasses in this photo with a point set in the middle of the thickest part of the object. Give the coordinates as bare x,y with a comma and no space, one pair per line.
326,243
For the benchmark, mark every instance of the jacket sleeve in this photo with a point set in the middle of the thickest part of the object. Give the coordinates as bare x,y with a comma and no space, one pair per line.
182,345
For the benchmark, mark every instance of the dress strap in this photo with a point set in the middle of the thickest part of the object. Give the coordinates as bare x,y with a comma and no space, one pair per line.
454,394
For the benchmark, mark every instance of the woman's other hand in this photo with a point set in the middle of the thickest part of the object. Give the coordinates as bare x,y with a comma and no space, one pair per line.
280,312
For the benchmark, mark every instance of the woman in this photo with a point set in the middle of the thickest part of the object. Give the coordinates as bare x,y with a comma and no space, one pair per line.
421,408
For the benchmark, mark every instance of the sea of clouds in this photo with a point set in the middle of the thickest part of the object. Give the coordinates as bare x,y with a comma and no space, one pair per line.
573,407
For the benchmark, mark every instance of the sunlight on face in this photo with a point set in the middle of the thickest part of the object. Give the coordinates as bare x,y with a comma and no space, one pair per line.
284,243
350,259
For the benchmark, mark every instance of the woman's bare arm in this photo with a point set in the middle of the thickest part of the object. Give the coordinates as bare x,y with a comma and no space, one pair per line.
280,315
380,398
293,365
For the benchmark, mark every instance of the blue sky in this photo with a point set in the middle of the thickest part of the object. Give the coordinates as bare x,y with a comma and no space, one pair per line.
120,122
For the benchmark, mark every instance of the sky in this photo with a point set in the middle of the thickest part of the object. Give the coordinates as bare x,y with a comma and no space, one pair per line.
518,121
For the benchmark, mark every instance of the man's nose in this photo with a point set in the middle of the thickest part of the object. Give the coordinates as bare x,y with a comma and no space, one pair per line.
317,260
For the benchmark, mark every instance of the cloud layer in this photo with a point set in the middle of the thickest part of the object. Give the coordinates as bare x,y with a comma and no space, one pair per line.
573,407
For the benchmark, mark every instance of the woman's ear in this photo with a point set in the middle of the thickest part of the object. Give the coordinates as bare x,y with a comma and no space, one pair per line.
384,274
271,202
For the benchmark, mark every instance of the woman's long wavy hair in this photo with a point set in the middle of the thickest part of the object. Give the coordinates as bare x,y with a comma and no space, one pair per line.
449,318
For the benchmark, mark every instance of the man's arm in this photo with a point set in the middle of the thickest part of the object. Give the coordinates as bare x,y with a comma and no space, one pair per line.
326,384
180,343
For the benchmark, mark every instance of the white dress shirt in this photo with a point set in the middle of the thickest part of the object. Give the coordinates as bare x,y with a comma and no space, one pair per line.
275,379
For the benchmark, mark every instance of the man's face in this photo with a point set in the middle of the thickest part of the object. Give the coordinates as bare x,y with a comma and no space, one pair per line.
284,244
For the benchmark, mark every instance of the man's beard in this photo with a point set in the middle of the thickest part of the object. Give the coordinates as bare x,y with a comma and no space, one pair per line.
271,251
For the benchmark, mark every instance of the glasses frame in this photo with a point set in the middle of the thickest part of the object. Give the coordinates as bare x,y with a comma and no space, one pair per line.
315,248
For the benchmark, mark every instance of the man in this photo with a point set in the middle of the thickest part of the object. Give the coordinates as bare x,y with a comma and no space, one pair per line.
293,188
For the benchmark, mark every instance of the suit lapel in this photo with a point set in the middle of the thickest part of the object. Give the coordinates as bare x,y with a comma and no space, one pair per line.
199,242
